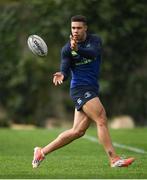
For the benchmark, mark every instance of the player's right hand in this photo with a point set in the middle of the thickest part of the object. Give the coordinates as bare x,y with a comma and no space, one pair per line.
73,43
58,78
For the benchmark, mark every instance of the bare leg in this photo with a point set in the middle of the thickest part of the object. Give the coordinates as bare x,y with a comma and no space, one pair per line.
95,110
81,123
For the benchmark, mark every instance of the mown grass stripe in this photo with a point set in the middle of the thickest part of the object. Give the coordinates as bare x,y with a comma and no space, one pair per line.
122,146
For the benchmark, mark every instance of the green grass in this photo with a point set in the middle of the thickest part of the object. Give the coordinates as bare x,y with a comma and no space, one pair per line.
82,159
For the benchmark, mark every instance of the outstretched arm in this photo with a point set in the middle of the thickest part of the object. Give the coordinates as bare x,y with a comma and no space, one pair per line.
61,76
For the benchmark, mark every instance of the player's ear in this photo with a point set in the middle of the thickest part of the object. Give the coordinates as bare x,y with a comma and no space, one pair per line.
86,27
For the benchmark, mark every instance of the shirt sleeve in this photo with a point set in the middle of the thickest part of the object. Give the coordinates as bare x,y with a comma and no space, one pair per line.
65,62
94,49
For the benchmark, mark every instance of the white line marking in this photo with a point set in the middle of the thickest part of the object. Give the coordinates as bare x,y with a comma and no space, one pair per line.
122,146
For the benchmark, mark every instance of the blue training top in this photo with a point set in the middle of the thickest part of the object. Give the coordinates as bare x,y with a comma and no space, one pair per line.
83,64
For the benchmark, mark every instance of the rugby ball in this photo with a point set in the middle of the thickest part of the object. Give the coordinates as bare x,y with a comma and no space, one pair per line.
37,45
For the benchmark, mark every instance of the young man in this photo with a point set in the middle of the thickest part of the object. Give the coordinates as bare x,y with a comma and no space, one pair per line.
82,57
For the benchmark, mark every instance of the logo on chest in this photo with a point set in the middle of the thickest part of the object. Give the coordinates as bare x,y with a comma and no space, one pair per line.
74,53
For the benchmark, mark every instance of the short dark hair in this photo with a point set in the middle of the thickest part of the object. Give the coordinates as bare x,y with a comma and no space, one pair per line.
79,18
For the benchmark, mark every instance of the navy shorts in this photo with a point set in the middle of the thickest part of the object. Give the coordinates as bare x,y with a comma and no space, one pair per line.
82,94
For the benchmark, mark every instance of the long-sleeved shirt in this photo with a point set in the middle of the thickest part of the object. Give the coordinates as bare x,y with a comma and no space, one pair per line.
83,64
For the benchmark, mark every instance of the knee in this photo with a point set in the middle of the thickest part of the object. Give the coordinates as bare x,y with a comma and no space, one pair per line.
78,133
102,119
101,122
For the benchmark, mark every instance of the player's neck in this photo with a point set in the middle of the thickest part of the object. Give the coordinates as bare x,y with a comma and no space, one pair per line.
83,38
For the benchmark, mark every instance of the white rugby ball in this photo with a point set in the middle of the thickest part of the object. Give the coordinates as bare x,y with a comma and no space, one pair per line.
37,45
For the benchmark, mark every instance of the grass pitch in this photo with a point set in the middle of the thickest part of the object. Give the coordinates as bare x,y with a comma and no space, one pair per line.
82,159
